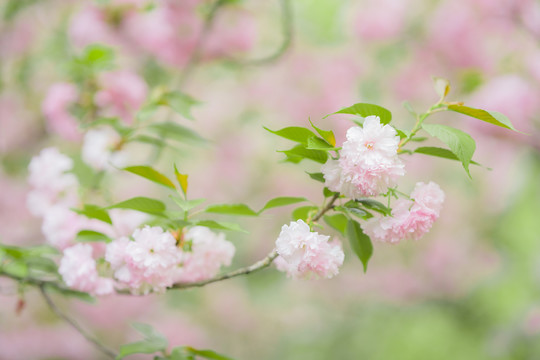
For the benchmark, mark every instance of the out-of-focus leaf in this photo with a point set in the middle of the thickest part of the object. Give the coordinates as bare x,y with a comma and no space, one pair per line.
364,110
303,212
360,242
94,212
221,225
187,205
72,293
294,133
206,354
442,87
459,142
179,102
151,174
182,180
282,201
92,236
231,209
153,342
176,132
439,152
140,203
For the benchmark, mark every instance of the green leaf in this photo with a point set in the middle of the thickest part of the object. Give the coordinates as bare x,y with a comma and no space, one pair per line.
439,152
92,236
315,143
459,142
491,117
149,140
327,135
140,203
282,201
153,175
187,205
221,225
364,110
317,176
337,221
375,206
294,133
303,212
231,209
152,343
71,293
327,192
176,132
94,212
299,152
407,105
360,242
182,180
442,87
207,354
179,102
16,268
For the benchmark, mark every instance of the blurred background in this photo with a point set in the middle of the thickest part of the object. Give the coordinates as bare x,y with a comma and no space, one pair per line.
470,289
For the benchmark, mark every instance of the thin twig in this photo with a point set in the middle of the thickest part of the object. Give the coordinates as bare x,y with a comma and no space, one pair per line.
328,207
287,26
111,354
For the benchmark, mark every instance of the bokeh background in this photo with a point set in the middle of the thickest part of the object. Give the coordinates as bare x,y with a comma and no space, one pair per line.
470,289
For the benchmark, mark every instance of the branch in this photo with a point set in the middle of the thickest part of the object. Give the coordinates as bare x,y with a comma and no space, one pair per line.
108,352
287,29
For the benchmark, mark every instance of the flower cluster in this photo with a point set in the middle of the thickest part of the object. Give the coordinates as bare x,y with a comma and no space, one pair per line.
410,218
368,163
305,254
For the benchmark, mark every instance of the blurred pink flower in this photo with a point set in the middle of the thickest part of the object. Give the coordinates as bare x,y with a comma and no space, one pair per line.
89,26
305,254
209,252
381,20
55,107
78,270
17,126
122,94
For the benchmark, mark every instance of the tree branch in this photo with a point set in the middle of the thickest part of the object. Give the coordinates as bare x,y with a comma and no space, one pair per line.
108,352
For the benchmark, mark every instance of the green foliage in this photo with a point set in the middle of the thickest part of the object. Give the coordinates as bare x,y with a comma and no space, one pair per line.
317,176
182,180
374,205
13,7
93,59
491,117
299,153
439,152
221,225
459,142
294,133
142,204
181,103
282,201
337,221
174,131
327,135
364,110
187,353
92,236
94,212
153,342
187,205
303,212
231,209
153,175
360,242
315,143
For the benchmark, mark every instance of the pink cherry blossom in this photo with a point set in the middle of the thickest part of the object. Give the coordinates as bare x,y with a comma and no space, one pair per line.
369,164
146,263
89,26
381,20
122,94
78,269
55,107
410,219
209,251
305,254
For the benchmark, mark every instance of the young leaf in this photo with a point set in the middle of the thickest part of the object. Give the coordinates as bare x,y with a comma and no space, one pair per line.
317,176
177,132
231,209
92,236
94,212
294,133
375,206
221,225
142,204
364,110
282,201
303,212
459,142
182,180
360,242
327,135
337,221
299,152
187,205
179,102
491,117
439,152
153,175
315,143
442,87
206,354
